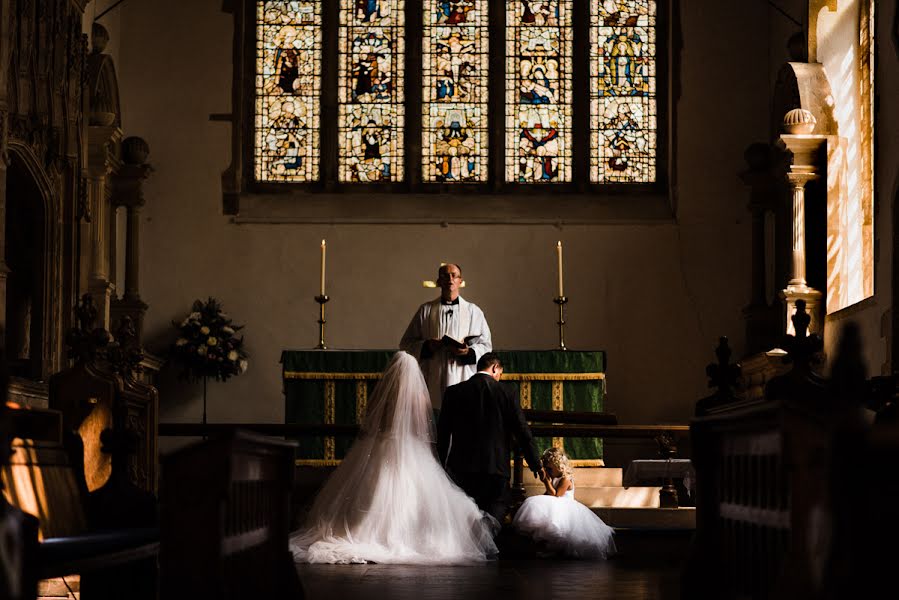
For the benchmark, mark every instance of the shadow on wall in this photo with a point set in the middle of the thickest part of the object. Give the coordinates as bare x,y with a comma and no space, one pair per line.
175,393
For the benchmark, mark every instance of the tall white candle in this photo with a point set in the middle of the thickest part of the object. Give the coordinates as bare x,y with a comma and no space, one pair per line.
559,254
324,249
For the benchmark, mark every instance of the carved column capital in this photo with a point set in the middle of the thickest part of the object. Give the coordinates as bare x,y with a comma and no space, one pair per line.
102,150
127,185
806,151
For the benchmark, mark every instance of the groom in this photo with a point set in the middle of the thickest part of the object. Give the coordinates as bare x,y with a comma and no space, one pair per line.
478,419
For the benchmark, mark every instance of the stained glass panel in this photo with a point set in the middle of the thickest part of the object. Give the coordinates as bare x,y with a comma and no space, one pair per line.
288,55
538,91
370,90
623,101
454,110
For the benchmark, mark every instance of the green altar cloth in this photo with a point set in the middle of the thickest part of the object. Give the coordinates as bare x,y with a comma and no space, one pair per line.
332,386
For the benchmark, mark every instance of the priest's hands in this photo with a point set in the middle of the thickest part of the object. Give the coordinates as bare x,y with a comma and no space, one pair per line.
461,351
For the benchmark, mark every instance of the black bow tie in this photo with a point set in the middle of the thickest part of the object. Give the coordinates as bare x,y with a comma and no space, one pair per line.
449,302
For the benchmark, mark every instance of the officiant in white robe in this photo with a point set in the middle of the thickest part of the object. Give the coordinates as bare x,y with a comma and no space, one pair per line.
452,316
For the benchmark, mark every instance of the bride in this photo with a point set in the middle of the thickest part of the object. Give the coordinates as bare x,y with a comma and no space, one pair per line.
390,501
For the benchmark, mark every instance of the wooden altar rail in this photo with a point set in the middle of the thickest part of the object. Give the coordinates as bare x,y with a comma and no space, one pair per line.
667,495
292,430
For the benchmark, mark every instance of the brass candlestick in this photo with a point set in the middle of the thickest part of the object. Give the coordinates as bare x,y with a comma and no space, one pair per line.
561,301
321,321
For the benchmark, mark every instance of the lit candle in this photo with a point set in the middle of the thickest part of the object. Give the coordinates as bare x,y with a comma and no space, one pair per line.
324,249
559,254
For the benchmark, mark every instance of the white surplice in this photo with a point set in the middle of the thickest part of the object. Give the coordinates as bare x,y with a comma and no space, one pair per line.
433,320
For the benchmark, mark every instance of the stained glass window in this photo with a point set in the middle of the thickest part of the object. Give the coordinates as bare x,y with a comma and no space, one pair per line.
288,86
623,119
370,90
538,91
541,115
454,79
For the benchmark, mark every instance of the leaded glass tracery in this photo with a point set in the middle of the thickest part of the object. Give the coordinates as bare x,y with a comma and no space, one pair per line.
370,90
454,80
623,95
288,90
538,91
369,38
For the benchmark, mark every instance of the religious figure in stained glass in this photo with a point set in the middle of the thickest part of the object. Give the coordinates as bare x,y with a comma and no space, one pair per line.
456,69
287,90
538,84
542,147
623,134
539,12
454,12
368,10
625,68
454,61
370,91
623,91
454,148
371,68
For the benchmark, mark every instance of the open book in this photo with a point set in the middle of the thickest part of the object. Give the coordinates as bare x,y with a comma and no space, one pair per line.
454,343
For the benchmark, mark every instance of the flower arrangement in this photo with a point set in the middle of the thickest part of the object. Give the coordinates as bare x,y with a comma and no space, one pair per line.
207,345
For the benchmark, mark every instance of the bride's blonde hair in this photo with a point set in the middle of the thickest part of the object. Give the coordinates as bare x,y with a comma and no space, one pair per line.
556,457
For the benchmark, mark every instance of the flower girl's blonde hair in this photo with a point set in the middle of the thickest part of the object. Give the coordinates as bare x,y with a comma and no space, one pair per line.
556,457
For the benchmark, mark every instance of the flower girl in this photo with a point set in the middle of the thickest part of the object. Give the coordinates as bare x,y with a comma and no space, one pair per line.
558,521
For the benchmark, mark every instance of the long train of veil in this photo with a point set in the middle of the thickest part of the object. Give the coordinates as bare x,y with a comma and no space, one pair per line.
390,501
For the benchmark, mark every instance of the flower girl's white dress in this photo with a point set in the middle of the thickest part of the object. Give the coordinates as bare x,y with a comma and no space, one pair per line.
565,526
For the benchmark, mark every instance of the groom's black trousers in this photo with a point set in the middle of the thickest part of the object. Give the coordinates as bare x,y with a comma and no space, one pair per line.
490,492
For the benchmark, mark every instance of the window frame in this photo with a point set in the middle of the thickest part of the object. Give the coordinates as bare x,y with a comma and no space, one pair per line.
578,201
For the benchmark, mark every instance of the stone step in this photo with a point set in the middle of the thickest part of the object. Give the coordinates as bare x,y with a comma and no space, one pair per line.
597,496
683,518
596,476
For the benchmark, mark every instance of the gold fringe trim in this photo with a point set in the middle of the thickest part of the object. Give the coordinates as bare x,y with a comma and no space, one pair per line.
525,394
317,462
587,462
326,376
321,462
553,376
557,396
316,376
361,400
330,448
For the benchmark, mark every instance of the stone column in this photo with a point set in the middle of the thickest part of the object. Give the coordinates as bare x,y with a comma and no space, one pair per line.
102,161
805,149
127,186
4,270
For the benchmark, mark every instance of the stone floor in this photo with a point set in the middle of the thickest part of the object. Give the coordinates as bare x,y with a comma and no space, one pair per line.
647,567
521,579
60,587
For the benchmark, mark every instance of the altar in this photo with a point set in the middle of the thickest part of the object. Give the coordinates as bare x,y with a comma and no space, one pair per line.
332,386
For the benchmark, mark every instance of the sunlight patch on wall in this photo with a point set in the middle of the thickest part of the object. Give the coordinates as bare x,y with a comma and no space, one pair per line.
845,49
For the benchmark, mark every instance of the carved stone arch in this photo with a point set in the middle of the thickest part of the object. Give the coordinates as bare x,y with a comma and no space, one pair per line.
32,207
804,85
103,91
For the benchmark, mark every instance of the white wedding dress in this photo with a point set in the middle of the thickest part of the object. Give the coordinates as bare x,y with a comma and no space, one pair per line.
564,526
390,501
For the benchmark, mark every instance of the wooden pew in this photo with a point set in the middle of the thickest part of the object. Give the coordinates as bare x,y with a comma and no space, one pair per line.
40,481
225,506
795,488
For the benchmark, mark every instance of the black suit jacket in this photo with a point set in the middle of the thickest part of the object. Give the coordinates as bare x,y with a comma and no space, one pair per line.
478,420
